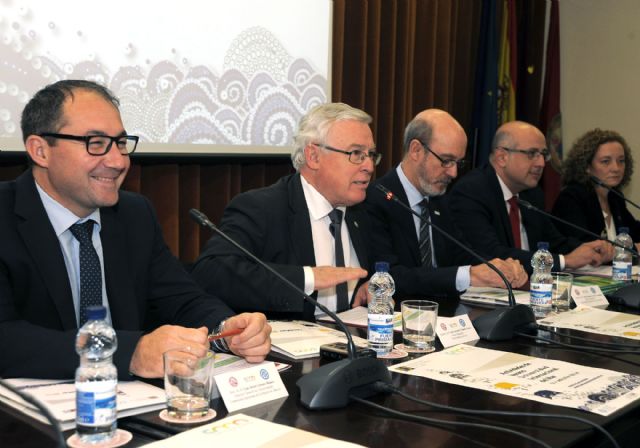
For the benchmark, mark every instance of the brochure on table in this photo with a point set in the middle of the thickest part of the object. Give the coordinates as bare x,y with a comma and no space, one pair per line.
301,339
548,381
357,317
594,320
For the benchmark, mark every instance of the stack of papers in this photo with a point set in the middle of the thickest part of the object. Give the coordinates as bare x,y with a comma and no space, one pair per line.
607,284
357,317
59,396
300,339
493,296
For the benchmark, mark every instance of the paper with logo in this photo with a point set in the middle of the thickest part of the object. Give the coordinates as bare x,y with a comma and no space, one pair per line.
593,320
548,381
455,330
300,339
493,296
251,386
244,431
589,296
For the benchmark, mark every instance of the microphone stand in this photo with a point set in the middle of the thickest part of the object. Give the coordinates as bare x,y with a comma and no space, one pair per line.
530,206
329,386
598,182
496,325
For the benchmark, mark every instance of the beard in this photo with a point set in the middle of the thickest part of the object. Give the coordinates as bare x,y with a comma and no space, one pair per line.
436,188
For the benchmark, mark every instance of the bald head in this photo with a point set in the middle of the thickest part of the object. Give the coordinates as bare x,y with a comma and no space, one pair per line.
431,139
516,155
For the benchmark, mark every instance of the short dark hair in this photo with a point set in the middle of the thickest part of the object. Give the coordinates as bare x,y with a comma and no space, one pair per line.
417,129
43,113
574,166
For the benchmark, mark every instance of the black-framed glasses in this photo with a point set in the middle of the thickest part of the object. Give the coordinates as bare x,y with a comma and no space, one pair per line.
356,156
446,163
99,145
532,153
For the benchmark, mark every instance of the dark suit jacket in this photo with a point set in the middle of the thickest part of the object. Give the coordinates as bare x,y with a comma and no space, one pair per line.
393,239
146,286
579,205
478,207
273,224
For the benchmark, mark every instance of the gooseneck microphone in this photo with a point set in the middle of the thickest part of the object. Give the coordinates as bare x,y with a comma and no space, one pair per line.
496,325
598,182
328,386
530,206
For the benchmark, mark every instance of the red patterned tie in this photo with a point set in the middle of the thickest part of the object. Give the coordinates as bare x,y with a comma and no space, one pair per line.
514,217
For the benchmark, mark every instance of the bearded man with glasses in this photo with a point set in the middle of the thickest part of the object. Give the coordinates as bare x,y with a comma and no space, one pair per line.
485,204
423,261
310,226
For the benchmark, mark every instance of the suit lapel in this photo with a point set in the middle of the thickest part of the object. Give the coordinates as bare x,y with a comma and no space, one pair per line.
118,271
43,246
500,205
353,219
403,217
300,236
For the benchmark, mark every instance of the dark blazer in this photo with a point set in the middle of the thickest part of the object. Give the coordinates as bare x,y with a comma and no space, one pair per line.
273,224
393,239
579,205
479,210
146,286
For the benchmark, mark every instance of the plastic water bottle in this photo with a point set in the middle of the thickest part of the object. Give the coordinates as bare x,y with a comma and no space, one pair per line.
622,260
541,280
380,313
96,379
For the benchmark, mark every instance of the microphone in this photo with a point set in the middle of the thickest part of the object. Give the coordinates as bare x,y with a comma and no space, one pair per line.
496,325
530,206
328,386
598,182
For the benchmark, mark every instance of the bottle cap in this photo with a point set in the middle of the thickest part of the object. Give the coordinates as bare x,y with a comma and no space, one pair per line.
623,230
382,266
543,245
96,313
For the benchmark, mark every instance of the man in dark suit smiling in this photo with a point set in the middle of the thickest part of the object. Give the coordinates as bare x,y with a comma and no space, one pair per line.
423,262
67,209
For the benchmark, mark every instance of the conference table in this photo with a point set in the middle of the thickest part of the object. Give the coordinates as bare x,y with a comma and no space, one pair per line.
364,425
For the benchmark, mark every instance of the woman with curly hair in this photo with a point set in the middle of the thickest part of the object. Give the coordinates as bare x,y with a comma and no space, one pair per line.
598,157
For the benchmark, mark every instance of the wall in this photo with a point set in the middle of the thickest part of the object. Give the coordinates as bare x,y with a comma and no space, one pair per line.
600,54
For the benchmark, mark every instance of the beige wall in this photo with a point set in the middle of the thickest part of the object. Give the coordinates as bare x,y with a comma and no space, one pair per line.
600,72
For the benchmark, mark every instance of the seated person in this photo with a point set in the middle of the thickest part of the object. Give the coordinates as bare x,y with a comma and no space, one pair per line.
296,225
71,239
485,207
599,162
422,260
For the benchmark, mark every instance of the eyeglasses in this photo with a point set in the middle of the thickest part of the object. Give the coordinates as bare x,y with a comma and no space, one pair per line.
446,163
532,153
356,156
99,145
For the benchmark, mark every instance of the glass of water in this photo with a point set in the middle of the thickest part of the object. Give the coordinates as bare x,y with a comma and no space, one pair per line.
188,381
419,325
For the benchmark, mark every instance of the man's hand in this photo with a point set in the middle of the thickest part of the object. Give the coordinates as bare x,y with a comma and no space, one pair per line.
483,275
330,276
604,248
146,361
362,296
593,253
254,343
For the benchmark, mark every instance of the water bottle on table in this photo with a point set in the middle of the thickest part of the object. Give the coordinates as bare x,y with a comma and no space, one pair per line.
380,313
96,379
622,260
541,280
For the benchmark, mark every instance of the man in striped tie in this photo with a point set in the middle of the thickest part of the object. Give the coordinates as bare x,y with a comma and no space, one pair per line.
424,262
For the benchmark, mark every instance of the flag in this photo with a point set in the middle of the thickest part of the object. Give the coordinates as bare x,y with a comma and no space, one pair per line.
508,63
485,117
550,116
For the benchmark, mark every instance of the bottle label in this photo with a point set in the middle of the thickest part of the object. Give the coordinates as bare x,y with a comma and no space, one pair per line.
380,329
96,402
541,294
621,270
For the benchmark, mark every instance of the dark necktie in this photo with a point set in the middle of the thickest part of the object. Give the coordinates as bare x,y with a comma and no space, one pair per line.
514,218
425,237
342,291
90,272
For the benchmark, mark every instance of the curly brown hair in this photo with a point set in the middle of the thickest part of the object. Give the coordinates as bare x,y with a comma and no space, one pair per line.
574,167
